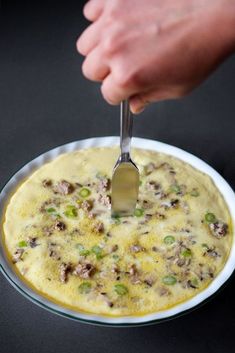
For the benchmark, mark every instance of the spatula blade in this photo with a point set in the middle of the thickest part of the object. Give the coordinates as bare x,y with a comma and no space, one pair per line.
125,187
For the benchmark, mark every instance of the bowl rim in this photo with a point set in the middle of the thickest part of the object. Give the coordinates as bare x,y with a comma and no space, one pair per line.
121,321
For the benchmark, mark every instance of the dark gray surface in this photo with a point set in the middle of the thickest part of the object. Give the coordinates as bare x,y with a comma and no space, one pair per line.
45,102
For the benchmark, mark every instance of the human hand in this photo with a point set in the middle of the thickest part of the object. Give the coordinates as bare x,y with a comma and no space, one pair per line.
156,49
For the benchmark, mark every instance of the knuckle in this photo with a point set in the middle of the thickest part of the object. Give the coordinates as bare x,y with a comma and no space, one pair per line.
126,79
87,72
109,46
107,96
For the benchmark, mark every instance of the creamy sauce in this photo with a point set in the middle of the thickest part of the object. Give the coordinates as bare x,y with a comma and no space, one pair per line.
63,242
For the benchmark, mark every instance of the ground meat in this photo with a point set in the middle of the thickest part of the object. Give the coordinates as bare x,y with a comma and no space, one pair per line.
159,215
149,281
52,252
134,274
146,204
163,291
149,168
17,255
219,229
84,270
160,195
136,248
113,248
47,230
103,185
64,271
32,242
87,205
153,185
185,207
63,187
47,183
115,269
212,253
170,204
105,200
99,227
60,226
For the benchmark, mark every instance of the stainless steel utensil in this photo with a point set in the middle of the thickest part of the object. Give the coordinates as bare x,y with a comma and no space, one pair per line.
125,180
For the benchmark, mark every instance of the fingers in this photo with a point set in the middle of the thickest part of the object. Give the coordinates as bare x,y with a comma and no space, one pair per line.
93,9
89,39
139,102
94,66
115,88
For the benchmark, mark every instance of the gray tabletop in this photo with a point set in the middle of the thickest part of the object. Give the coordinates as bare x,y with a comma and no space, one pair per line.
45,102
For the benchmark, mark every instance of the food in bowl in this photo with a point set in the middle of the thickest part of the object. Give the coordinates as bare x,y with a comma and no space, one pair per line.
62,241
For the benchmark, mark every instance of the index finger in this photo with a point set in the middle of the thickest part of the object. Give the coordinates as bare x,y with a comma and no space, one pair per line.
93,9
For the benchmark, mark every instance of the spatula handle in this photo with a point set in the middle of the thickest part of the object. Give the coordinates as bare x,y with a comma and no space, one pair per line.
126,122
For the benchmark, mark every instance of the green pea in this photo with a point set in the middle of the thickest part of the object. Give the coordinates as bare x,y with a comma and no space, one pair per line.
82,250
194,282
204,245
84,287
97,250
169,280
84,192
194,193
169,239
71,211
186,253
175,188
22,244
138,212
51,210
116,257
210,217
120,289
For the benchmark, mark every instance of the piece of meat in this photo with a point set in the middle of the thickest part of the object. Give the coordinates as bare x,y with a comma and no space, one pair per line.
134,274
84,270
63,187
147,204
87,205
52,251
115,269
48,230
17,255
170,204
32,241
113,248
64,271
60,226
153,185
149,168
160,195
218,229
163,291
99,227
211,252
47,183
104,200
103,185
135,248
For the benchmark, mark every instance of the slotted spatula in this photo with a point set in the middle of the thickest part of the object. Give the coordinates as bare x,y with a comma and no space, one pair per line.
125,180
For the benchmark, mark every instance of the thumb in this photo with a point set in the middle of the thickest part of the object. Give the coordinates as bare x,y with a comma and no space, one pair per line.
139,101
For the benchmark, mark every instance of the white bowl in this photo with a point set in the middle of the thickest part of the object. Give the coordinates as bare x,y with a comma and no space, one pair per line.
222,277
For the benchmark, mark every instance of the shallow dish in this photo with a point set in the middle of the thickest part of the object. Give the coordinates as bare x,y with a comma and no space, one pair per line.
8,270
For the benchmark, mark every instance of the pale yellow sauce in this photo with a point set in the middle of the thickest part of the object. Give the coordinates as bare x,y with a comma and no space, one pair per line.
186,223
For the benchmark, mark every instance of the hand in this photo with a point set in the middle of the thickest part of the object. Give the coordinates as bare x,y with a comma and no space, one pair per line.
155,49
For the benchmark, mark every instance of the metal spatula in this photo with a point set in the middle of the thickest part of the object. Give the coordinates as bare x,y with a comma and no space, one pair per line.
125,180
